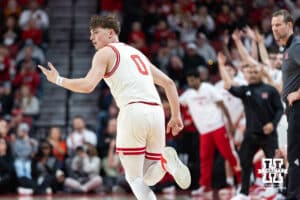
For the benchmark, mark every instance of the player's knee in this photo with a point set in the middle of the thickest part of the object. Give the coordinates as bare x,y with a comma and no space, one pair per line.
150,181
132,179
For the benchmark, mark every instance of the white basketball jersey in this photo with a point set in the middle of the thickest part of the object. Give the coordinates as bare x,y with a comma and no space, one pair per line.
234,105
206,115
130,78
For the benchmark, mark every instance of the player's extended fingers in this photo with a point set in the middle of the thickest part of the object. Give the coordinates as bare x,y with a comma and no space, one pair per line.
43,69
168,128
175,131
180,127
51,66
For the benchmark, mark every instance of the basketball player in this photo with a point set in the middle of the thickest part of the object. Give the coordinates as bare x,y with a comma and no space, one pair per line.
208,110
140,138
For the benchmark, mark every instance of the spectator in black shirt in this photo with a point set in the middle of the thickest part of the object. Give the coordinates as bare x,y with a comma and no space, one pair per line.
192,60
263,109
7,173
282,26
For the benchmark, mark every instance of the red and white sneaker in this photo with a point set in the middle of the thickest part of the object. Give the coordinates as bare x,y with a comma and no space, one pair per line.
176,168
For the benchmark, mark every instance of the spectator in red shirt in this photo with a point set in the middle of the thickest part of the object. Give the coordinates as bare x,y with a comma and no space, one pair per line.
223,17
162,32
136,32
111,5
11,35
137,37
28,76
5,64
31,31
25,3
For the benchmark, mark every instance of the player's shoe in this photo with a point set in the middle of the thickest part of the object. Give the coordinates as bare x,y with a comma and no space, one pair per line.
176,168
203,192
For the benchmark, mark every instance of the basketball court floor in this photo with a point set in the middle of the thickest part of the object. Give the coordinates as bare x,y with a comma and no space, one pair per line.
95,197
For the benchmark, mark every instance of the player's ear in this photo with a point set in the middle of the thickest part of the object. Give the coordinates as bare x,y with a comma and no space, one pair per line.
290,24
111,33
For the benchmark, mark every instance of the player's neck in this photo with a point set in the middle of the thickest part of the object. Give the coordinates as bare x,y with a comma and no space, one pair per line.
114,39
196,87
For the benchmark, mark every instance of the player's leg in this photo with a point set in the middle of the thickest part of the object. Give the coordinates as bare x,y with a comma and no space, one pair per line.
247,151
206,152
226,148
131,146
133,167
155,170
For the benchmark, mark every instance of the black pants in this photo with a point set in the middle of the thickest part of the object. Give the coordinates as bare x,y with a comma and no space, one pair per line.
251,144
293,117
187,143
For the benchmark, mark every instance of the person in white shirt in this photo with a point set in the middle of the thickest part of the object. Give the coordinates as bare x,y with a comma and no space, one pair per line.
207,110
233,104
80,135
34,12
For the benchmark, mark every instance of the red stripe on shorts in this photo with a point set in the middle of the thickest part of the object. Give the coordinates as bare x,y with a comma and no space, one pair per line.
145,102
153,154
131,153
152,158
131,149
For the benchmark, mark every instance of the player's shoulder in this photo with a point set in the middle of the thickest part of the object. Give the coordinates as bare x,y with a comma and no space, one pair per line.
104,52
208,85
219,84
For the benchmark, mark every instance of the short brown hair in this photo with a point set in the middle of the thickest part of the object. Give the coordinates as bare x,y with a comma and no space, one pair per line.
287,17
108,21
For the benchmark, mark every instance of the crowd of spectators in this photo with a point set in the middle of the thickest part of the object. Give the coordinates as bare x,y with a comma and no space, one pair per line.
177,36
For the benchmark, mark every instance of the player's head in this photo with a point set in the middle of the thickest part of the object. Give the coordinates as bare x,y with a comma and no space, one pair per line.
282,26
193,79
253,74
104,30
231,70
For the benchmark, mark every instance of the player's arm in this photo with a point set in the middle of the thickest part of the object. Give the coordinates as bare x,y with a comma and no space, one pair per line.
169,86
236,36
88,83
224,75
175,124
226,113
262,49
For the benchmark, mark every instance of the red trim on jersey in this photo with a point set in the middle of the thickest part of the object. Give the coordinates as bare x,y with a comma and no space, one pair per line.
144,102
115,67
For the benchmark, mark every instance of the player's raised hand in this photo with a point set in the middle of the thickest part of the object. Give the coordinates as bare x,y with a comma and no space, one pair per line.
175,125
236,35
221,59
51,73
